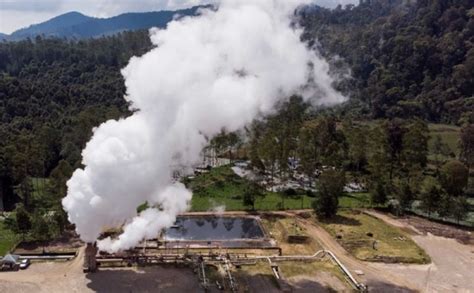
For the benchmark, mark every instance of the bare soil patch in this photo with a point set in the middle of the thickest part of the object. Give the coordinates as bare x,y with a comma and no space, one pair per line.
425,226
52,277
420,226
451,269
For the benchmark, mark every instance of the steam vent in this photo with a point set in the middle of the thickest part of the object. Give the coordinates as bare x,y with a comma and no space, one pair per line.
90,262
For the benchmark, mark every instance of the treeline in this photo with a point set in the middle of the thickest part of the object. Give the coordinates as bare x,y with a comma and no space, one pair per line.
391,158
407,58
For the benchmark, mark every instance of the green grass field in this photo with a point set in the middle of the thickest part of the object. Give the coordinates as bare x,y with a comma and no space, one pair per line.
271,201
8,239
355,200
449,134
357,232
222,187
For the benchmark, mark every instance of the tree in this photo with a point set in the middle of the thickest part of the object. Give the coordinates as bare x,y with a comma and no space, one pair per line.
431,195
58,178
466,145
59,219
378,192
454,177
269,152
357,142
330,187
394,134
415,146
23,220
225,142
440,150
460,208
320,143
251,192
378,164
255,134
404,194
308,152
41,231
445,207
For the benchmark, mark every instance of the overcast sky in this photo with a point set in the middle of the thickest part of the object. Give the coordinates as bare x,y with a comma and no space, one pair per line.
15,14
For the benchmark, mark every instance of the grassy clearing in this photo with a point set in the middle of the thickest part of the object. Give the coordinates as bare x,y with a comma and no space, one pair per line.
449,134
271,201
221,186
355,200
8,239
356,232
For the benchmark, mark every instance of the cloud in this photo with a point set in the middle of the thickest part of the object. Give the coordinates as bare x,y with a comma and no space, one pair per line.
107,8
334,3
28,5
12,20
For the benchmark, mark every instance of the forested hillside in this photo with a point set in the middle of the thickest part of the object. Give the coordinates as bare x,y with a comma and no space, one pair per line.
407,60
52,93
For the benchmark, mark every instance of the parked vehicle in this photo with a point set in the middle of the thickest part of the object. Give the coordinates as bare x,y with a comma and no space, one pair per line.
24,263
8,267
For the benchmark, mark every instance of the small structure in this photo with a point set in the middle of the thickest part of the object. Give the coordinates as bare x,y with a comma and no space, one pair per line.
10,262
90,260
298,239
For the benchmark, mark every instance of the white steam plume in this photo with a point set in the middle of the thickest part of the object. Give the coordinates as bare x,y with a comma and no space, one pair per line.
219,70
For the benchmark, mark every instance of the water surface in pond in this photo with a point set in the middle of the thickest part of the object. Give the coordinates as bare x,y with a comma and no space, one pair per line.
214,228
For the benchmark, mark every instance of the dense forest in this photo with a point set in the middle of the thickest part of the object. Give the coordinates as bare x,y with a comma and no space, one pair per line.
409,63
406,60
52,93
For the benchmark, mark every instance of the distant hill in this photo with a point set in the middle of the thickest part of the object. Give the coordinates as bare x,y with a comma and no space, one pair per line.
78,26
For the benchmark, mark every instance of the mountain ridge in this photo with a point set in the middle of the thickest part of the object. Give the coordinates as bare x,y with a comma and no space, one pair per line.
76,25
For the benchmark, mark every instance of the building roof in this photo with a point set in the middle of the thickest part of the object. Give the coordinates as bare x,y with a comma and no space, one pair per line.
10,258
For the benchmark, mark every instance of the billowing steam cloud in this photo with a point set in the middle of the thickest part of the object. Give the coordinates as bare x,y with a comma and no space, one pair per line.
219,70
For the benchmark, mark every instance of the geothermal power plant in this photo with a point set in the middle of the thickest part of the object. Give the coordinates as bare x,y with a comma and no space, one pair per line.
224,242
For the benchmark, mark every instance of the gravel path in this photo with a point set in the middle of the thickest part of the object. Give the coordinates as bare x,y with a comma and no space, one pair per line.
452,267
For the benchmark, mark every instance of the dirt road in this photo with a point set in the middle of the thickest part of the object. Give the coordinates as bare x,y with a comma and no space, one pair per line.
377,280
452,267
